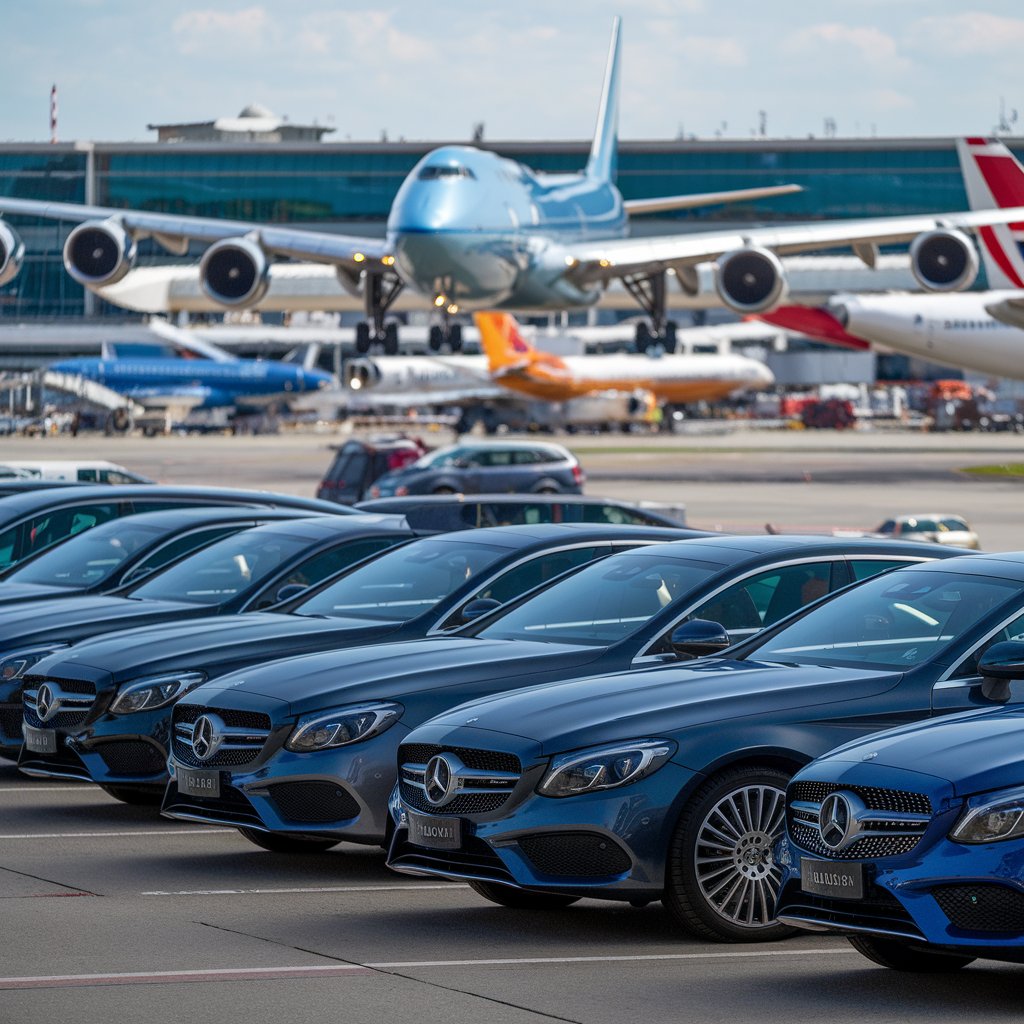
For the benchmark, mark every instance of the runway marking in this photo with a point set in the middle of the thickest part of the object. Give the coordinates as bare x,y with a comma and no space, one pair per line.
328,970
137,832
302,889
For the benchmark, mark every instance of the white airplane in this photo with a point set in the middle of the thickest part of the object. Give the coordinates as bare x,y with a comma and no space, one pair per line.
469,228
979,331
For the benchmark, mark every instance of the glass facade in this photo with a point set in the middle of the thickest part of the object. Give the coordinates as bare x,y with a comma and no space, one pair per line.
350,187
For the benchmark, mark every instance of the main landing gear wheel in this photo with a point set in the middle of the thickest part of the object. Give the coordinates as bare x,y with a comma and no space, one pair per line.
521,899
441,335
898,956
655,342
363,338
721,882
391,338
277,842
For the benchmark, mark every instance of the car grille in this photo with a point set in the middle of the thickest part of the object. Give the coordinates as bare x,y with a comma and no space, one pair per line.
982,908
491,779
877,910
575,855
244,735
313,801
894,827
475,860
131,757
76,699
231,806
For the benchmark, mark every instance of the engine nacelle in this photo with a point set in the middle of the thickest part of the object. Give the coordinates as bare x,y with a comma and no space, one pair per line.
944,260
361,374
750,280
99,252
12,253
234,272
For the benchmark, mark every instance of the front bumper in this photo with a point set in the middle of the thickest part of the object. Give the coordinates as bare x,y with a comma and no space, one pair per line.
611,844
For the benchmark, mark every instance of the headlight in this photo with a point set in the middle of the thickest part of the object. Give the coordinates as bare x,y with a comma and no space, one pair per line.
15,664
342,726
604,767
155,692
991,818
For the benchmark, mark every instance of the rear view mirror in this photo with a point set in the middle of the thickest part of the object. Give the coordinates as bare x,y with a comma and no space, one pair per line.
478,607
698,638
998,667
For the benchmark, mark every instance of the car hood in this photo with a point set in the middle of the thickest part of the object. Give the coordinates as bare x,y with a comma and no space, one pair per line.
212,641
659,701
974,752
390,671
11,592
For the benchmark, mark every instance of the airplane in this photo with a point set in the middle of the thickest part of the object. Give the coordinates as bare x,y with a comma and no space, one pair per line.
205,378
675,379
471,229
977,331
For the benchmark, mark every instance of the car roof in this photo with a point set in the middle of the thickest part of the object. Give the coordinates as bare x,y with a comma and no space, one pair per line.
1002,564
927,515
415,500
324,527
199,514
474,443
542,534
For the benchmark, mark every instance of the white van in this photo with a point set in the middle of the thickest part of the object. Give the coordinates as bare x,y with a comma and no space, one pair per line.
94,471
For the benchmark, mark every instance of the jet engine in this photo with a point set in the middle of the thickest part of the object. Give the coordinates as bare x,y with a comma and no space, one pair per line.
99,252
361,374
750,280
234,272
12,252
944,261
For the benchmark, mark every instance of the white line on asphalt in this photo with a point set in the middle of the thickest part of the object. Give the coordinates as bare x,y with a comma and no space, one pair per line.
322,888
91,790
242,973
137,832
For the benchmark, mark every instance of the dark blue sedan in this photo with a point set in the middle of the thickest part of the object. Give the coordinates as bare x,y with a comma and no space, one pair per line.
669,783
303,751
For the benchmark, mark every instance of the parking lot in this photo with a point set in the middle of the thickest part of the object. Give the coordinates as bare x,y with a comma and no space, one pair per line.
112,913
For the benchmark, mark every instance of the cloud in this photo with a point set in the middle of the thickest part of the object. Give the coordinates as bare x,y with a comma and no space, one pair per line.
369,36
720,50
885,100
210,30
866,44
972,33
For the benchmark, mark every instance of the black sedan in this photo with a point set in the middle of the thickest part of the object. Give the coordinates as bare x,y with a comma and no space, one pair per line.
244,572
303,750
118,737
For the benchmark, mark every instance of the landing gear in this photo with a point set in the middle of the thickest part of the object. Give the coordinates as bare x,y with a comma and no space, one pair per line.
659,335
446,334
380,291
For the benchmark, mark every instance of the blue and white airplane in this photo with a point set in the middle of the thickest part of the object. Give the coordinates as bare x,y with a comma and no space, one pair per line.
471,229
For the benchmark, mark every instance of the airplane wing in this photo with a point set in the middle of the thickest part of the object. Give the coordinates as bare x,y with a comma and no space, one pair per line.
696,199
174,233
1009,309
189,341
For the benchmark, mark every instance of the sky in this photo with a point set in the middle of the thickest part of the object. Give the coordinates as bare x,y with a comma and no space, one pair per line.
528,70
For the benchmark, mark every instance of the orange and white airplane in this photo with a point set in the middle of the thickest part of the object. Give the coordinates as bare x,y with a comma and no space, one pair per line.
515,364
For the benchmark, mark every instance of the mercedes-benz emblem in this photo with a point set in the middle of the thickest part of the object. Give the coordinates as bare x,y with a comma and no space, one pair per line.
206,737
438,780
47,702
839,819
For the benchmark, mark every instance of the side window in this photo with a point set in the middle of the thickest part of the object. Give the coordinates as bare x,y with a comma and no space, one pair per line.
525,457
968,668
91,475
178,548
495,459
612,514
9,546
325,564
954,525
862,568
516,513
59,524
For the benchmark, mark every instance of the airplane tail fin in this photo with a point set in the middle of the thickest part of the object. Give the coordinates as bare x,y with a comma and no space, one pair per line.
506,349
994,179
603,162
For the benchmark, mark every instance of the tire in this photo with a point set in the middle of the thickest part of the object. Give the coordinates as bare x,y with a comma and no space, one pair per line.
391,338
135,797
720,880
362,337
435,338
520,899
277,842
897,956
455,337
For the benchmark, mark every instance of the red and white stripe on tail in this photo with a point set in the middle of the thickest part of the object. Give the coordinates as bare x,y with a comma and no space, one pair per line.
994,179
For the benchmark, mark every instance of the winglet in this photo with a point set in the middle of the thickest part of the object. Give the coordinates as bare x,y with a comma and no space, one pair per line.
506,349
603,161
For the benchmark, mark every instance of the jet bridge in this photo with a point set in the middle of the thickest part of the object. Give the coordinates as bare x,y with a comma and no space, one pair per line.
123,412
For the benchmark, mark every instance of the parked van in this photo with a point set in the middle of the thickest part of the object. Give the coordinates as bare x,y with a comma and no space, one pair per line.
93,471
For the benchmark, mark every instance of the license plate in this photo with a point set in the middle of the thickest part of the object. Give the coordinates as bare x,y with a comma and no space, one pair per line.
832,878
40,741
198,783
434,832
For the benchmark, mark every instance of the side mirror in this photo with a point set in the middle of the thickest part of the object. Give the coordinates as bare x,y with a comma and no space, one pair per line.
289,590
699,638
479,607
998,667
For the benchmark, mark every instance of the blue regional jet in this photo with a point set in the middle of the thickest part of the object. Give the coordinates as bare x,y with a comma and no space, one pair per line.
472,229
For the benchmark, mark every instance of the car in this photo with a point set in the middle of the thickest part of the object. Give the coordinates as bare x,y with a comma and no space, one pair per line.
668,783
911,842
94,471
319,762
459,512
932,527
34,519
486,466
424,587
357,464
243,572
121,551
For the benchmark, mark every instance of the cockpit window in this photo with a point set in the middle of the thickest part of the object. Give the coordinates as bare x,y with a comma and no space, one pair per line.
433,171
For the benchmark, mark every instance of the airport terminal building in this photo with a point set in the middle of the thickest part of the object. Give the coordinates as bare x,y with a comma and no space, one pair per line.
349,186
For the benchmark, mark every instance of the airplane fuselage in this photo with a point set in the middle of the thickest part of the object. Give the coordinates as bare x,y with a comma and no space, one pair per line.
482,231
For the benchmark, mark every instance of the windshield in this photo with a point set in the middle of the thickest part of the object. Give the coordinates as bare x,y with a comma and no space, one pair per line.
224,569
89,558
894,621
404,582
603,602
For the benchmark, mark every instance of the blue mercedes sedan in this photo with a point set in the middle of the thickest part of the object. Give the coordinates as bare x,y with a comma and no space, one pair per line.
300,754
669,783
911,842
